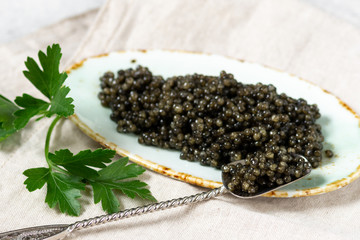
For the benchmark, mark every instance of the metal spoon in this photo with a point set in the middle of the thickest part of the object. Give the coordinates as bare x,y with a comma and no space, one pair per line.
60,231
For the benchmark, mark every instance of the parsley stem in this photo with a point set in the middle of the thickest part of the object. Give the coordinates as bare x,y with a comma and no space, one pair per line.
47,141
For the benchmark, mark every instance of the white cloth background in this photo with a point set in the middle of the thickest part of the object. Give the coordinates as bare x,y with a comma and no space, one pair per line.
285,34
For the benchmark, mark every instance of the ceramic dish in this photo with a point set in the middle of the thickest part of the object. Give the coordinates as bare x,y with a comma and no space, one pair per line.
340,126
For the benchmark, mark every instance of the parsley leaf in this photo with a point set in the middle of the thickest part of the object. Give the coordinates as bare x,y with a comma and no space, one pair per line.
4,133
32,106
103,193
132,189
78,164
7,110
119,170
60,104
50,81
64,190
37,177
109,179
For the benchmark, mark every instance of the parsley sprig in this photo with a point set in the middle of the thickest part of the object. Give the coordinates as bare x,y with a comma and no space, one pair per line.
67,174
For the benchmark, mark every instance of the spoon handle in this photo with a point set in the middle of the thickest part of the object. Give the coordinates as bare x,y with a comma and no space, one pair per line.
147,208
61,231
39,232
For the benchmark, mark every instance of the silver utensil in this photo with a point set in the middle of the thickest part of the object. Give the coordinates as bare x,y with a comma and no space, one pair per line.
60,231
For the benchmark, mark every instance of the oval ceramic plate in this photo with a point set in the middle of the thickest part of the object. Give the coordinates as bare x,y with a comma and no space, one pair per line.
340,125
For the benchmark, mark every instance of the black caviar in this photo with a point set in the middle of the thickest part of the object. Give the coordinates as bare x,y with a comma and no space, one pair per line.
329,153
216,120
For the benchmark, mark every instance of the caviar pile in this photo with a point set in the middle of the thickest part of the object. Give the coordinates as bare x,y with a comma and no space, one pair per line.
216,120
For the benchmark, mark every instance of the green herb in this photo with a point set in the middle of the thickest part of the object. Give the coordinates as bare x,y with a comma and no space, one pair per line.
67,174
7,118
110,178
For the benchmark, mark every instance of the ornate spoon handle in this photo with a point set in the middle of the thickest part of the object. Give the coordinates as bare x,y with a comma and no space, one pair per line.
39,232
60,231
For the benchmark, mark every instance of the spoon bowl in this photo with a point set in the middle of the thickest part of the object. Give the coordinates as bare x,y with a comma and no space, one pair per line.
227,178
